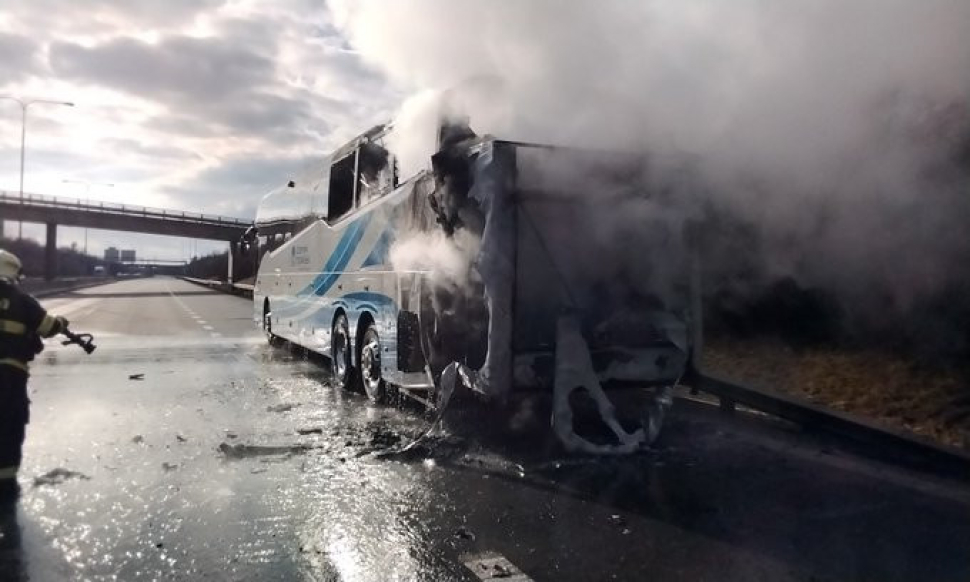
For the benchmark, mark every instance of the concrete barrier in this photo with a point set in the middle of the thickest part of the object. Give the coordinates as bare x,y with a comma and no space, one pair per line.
240,289
42,288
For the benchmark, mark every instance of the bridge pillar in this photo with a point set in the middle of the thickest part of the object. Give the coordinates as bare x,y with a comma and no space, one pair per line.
233,249
50,252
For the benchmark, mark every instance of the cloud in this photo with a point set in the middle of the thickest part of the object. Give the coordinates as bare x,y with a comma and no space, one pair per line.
235,186
60,17
18,57
180,70
152,152
199,103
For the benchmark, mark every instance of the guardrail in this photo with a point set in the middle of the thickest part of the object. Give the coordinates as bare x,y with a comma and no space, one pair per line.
42,288
53,202
902,446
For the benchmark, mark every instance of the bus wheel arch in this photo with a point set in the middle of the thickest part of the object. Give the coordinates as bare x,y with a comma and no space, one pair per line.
272,338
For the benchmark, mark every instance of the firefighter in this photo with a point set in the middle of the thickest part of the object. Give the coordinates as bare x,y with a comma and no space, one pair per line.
23,322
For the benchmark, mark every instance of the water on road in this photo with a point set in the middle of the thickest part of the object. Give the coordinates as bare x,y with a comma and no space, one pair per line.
186,448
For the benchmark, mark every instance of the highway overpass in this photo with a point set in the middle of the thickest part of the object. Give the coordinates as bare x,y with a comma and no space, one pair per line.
54,211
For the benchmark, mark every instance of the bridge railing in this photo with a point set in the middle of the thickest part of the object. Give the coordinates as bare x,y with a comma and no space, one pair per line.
53,202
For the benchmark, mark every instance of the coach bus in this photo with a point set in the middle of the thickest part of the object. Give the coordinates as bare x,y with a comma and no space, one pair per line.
558,231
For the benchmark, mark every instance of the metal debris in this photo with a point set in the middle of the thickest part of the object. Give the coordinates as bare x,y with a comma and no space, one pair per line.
58,476
242,451
494,566
280,408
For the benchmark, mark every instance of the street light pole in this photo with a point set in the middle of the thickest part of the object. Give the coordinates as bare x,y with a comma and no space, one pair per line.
87,190
23,140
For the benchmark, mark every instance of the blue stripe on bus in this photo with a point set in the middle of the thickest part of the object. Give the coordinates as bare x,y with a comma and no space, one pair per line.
366,299
378,256
337,262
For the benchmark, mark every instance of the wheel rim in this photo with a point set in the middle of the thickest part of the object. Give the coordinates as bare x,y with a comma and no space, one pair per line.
370,366
340,350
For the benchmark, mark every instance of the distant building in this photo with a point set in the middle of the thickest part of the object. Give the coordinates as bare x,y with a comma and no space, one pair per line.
111,255
128,256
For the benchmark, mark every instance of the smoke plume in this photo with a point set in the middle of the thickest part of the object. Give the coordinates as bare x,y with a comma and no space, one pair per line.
447,260
836,133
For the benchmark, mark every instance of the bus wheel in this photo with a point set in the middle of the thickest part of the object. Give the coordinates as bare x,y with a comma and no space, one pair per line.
340,352
370,364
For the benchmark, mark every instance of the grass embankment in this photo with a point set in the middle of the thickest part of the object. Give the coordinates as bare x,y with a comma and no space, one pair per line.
889,389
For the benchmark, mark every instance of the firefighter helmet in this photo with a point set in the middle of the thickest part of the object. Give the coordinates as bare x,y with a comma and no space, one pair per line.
10,266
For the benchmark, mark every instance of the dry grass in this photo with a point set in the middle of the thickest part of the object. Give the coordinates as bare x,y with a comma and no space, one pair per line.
876,385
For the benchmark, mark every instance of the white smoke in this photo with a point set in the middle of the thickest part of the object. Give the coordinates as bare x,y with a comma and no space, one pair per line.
814,119
446,260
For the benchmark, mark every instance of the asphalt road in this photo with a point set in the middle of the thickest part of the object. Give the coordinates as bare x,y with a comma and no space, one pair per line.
185,448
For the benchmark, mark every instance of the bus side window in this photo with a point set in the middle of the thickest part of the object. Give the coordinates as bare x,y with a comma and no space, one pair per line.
375,175
342,185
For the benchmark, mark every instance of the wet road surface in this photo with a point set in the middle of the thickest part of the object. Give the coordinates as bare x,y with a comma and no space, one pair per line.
231,460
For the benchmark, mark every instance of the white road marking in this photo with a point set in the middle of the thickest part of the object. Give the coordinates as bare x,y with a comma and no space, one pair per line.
191,313
177,299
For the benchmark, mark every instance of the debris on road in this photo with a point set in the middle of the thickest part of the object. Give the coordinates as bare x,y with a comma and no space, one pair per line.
138,439
308,431
181,438
242,451
280,408
58,476
384,437
494,567
139,376
464,533
618,520
169,466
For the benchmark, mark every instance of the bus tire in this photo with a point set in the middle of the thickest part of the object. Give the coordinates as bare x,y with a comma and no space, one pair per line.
370,364
340,353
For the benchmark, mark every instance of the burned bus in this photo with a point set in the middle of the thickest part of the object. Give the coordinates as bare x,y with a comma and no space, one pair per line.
576,277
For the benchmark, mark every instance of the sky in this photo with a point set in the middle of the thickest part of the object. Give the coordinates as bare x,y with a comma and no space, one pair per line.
200,105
